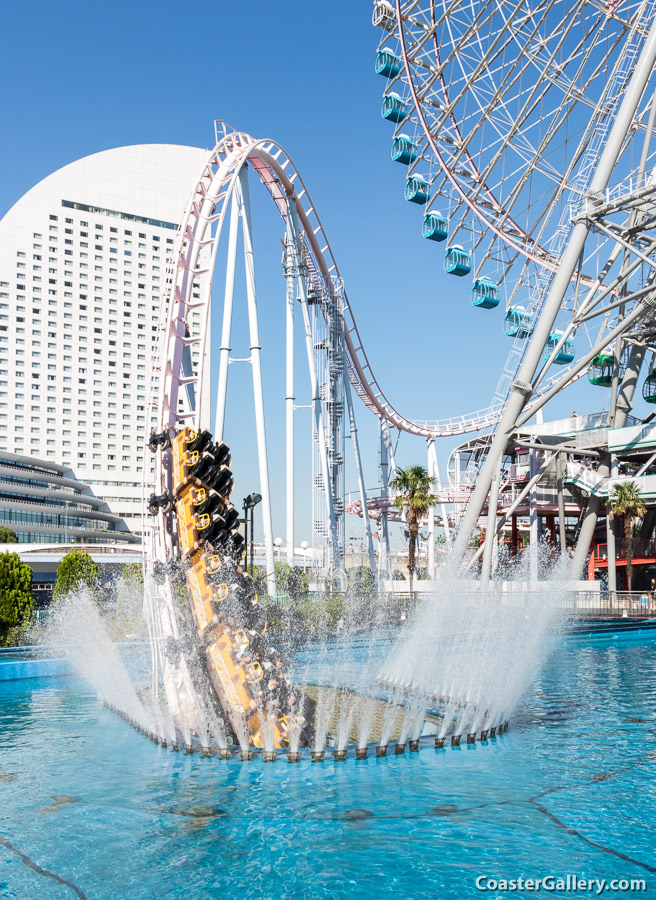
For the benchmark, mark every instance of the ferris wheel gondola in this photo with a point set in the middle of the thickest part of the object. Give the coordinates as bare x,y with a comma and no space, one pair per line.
506,110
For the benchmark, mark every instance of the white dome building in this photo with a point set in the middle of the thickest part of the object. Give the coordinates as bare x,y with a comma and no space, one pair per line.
83,259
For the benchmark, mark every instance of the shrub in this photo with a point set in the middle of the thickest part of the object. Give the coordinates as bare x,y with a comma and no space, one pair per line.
16,603
76,570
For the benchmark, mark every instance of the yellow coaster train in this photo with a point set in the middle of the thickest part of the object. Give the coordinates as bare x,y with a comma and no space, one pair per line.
246,671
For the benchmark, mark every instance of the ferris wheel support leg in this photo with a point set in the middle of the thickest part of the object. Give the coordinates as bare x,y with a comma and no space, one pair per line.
358,469
595,504
491,529
436,474
522,387
228,299
560,471
256,367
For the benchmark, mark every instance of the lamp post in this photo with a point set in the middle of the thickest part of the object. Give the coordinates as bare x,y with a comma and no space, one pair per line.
250,503
304,547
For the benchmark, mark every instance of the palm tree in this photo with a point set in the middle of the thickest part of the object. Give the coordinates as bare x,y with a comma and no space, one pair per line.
414,486
626,502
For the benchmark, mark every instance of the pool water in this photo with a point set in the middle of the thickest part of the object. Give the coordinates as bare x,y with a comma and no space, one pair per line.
90,808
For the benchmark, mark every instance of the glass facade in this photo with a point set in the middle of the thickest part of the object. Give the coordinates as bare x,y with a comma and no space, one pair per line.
145,220
33,517
43,517
35,482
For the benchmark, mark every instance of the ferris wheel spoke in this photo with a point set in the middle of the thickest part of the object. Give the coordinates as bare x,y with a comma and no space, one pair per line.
517,75
494,94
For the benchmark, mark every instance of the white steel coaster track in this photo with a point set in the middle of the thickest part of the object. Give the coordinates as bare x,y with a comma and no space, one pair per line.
201,230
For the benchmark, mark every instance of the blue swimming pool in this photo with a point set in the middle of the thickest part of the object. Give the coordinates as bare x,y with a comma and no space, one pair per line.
90,808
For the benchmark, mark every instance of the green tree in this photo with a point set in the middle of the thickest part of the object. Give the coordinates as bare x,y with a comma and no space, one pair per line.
414,486
16,602
297,583
76,569
361,582
132,575
7,536
258,574
627,503
283,572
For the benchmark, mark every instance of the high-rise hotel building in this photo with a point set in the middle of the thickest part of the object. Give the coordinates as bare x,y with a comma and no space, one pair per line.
83,258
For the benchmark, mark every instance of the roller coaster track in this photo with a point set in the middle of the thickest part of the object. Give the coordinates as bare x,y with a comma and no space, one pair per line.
280,177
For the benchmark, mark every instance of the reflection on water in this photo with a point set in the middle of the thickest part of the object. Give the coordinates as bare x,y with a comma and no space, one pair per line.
569,789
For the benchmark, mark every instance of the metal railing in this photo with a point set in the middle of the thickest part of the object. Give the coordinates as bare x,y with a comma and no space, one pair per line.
641,549
576,603
88,547
611,605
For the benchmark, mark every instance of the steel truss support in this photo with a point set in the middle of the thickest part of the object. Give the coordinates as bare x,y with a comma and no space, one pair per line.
522,388
258,394
544,468
290,299
384,566
297,253
595,504
360,476
228,299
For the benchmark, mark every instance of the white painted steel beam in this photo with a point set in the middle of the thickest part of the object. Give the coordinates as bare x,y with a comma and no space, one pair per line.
360,477
226,329
522,387
258,394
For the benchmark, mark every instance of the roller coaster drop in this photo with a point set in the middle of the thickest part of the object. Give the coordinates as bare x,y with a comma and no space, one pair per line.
194,540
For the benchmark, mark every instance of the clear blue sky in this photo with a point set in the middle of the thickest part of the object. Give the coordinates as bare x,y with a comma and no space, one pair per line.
79,77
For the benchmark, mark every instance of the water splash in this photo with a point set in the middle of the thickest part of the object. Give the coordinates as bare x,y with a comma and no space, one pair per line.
347,710
77,626
324,715
466,655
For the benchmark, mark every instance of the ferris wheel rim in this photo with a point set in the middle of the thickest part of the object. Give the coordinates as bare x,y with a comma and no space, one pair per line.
541,257
423,74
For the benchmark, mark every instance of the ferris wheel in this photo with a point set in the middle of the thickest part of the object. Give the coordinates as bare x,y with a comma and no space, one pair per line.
501,110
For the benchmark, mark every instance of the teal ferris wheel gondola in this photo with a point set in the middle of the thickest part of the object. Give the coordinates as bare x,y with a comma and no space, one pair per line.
565,355
394,108
388,63
485,293
417,189
457,261
649,388
601,369
518,322
404,150
435,227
